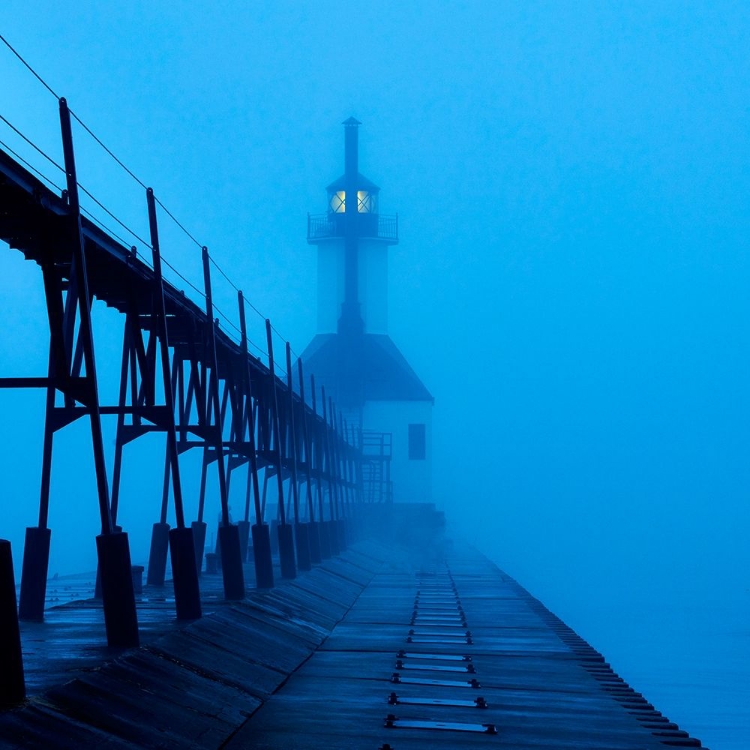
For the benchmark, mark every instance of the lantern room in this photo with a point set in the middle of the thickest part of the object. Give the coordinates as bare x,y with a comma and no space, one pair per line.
367,196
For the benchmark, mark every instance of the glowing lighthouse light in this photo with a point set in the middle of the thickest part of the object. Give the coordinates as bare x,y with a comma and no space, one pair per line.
366,202
338,202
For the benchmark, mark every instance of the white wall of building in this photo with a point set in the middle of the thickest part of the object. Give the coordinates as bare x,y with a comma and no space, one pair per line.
412,479
330,284
373,285
372,289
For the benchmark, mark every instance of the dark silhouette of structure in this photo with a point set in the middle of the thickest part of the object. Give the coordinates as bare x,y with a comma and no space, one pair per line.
180,375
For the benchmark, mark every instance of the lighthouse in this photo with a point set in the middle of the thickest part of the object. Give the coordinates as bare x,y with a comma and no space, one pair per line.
352,355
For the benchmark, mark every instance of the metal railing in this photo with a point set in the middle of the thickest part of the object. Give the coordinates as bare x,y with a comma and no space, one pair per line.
377,450
330,225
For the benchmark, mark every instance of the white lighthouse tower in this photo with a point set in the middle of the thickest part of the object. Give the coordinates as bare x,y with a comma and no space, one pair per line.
352,354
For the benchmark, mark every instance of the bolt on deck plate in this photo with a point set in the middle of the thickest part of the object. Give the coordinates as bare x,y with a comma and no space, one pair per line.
393,722
394,699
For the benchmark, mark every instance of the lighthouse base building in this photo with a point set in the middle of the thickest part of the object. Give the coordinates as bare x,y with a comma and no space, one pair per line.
352,356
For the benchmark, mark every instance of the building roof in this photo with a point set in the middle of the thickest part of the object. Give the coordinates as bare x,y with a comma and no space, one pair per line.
362,367
362,184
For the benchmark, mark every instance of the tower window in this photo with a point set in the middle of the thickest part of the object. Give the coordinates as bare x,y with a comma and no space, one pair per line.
365,202
417,442
338,202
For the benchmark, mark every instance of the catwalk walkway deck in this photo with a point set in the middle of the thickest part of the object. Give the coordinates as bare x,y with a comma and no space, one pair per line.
374,649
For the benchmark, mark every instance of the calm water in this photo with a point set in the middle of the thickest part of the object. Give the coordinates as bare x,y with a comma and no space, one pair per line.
691,659
688,653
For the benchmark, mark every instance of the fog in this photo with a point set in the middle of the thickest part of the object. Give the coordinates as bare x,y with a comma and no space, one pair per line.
572,186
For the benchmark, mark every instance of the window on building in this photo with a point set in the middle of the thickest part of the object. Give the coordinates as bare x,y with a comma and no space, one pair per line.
417,442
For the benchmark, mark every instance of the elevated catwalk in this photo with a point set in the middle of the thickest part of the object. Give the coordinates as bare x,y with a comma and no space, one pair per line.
382,647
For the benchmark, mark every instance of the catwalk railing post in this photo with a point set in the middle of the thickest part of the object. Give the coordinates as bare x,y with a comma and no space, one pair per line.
318,455
339,480
229,535
313,527
261,533
346,500
346,450
181,546
285,532
239,424
121,620
300,529
333,536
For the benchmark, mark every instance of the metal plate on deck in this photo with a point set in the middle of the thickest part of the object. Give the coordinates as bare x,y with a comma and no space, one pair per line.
430,617
393,722
398,679
443,641
443,617
458,625
394,699
441,657
434,667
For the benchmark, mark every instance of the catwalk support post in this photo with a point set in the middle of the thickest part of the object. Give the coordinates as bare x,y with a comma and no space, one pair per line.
301,537
229,536
261,535
120,617
12,684
284,529
181,546
313,534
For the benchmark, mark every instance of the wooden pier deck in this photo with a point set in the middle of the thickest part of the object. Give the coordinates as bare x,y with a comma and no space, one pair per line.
455,655
378,648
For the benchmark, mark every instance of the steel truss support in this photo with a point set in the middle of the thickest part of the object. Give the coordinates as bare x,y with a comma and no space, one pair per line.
12,684
181,546
261,535
313,527
229,537
71,349
333,535
285,531
215,397
317,439
301,535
